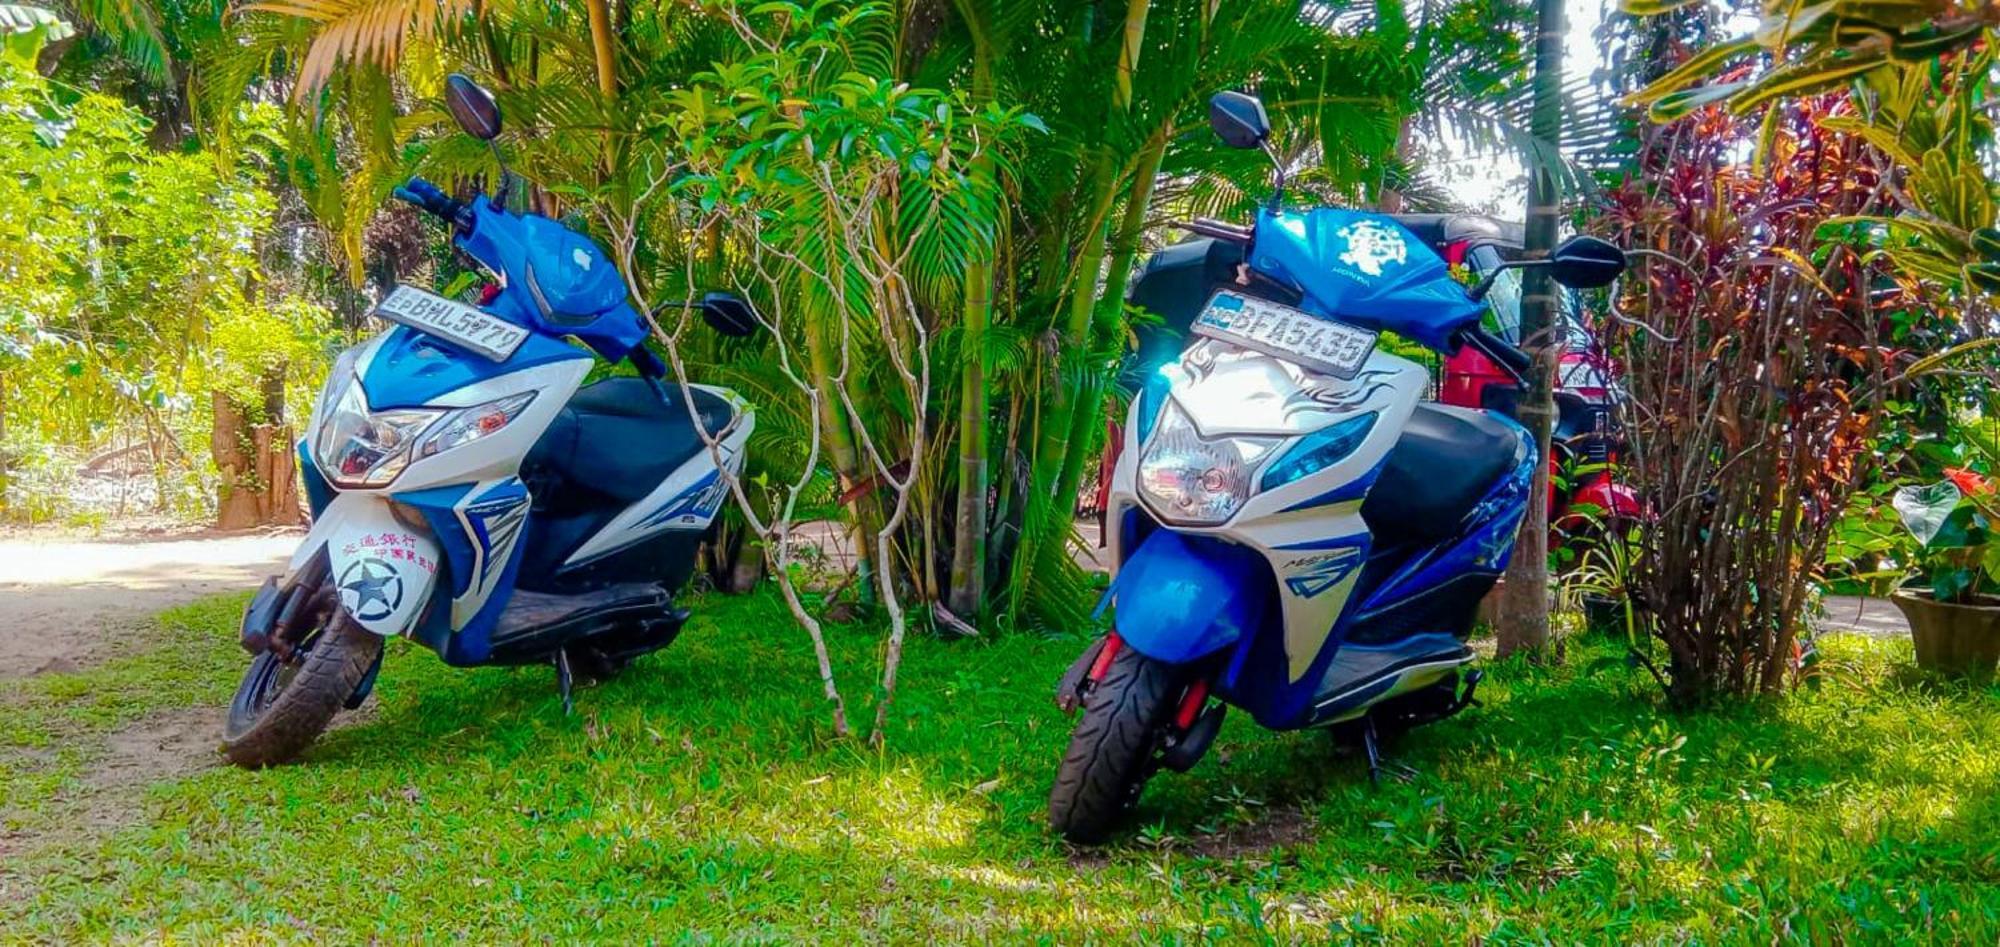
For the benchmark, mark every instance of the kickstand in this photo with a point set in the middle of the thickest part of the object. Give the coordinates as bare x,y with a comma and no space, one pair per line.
564,679
1376,764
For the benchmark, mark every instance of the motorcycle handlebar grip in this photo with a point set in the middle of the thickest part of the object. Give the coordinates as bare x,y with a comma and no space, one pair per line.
425,190
426,195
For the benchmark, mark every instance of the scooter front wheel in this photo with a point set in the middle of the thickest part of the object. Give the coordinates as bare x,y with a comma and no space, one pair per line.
1115,748
282,706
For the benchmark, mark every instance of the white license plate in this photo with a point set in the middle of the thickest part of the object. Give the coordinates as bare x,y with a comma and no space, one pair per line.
452,321
1264,326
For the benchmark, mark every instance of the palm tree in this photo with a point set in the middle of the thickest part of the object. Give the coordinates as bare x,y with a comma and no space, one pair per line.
1036,321
1524,621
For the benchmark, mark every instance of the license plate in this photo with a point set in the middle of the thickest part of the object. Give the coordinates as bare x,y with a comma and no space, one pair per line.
452,321
1264,326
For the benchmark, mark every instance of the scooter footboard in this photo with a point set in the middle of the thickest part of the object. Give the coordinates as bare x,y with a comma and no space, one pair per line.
1184,598
385,571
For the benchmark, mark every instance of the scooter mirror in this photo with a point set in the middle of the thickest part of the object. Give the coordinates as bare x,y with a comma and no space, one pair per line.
472,106
1238,119
1585,262
729,314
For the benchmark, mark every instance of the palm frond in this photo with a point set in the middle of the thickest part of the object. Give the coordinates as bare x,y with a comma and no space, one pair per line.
134,27
359,31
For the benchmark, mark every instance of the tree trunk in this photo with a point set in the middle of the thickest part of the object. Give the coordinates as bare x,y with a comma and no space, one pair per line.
840,442
968,554
741,561
603,45
277,474
235,499
257,470
1524,624
1524,597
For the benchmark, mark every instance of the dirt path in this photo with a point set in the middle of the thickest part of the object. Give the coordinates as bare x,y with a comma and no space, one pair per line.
68,602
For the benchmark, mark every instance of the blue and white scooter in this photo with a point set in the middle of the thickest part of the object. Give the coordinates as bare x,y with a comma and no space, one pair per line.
468,494
1295,533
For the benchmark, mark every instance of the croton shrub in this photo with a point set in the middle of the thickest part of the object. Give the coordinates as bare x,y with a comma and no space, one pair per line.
1750,332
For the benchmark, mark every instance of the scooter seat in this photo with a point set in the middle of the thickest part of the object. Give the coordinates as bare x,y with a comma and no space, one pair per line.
619,438
1442,466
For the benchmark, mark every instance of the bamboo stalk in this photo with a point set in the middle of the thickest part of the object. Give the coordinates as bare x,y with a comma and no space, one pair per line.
967,595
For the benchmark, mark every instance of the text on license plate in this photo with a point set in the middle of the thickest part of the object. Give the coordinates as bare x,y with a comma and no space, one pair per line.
452,321
1278,330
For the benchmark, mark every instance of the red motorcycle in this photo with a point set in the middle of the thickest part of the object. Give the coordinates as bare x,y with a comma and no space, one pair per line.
1584,445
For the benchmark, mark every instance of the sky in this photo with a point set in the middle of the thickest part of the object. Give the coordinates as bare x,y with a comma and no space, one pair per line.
1496,183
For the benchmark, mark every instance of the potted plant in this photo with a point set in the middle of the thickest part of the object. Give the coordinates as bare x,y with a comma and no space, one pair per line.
1952,600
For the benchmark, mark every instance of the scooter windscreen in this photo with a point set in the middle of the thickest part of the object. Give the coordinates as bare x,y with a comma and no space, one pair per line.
554,279
1366,269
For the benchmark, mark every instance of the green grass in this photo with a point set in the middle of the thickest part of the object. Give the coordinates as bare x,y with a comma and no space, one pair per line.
699,798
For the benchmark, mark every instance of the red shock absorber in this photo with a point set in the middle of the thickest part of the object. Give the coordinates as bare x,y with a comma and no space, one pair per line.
1191,702
1105,656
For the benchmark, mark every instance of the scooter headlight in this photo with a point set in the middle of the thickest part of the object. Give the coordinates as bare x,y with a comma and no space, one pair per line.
470,424
1193,481
360,448
337,382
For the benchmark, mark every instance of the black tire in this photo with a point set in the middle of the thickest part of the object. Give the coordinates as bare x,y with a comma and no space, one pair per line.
1115,747
281,708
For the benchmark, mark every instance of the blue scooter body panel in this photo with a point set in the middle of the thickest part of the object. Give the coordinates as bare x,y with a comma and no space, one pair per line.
411,369
1184,598
581,293
1366,269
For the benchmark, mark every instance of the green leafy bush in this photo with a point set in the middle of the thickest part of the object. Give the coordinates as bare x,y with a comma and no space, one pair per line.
129,290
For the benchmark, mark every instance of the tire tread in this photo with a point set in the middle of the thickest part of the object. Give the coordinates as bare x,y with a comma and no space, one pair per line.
334,666
1110,752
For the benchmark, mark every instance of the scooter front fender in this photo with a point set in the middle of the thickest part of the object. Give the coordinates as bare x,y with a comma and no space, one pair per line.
385,571
1181,599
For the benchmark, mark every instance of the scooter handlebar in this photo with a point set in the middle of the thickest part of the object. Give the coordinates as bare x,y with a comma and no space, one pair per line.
1498,349
425,195
1206,227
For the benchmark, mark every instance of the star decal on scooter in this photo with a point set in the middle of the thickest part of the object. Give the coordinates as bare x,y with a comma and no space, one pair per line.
371,589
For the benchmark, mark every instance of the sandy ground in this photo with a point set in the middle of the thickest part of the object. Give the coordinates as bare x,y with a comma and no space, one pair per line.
68,602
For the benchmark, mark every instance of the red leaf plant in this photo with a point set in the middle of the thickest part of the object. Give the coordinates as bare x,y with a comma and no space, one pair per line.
1750,335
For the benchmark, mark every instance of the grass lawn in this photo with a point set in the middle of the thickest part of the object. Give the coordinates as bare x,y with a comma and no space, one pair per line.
699,798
